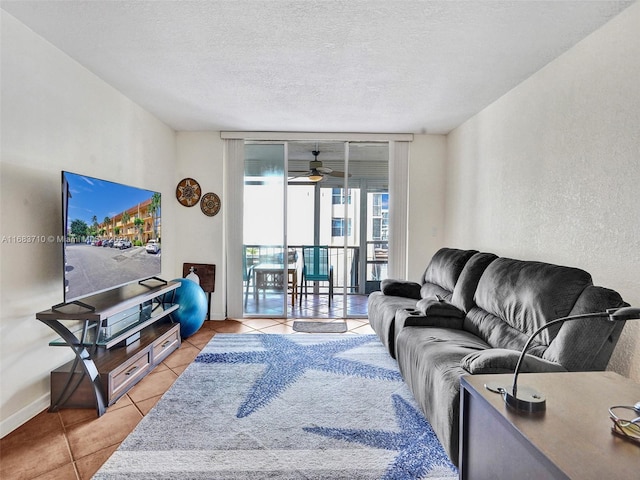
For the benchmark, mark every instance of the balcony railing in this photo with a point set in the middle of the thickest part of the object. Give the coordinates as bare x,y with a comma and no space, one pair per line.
373,269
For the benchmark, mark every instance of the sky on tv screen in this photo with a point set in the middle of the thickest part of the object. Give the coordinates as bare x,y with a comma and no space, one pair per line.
91,196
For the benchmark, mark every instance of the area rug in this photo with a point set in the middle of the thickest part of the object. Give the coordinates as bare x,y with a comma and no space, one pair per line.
257,406
320,327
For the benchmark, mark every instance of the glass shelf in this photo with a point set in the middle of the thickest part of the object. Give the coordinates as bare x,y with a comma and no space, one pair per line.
109,332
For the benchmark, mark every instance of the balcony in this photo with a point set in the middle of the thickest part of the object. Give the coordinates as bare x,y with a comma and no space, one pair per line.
354,277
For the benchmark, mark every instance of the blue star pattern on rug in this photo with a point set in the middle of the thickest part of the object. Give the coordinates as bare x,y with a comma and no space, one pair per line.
286,361
419,449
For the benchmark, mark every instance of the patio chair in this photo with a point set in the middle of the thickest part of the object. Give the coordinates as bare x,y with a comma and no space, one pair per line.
316,268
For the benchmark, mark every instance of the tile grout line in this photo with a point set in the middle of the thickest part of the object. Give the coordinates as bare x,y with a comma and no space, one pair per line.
69,449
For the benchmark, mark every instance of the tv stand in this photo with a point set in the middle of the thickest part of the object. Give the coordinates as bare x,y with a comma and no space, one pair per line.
116,344
157,279
58,307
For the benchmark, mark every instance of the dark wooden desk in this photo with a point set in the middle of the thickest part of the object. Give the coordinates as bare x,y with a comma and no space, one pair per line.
572,439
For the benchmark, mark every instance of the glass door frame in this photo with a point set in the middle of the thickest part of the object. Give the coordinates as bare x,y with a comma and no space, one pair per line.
233,160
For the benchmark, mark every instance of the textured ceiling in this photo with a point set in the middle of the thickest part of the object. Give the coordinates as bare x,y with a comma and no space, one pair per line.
316,66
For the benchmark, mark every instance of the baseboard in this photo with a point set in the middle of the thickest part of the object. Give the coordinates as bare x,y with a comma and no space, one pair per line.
217,316
23,415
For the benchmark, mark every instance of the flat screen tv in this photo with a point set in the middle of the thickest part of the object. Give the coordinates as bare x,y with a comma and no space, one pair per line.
112,235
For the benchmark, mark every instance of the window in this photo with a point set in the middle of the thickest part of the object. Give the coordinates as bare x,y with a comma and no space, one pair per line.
376,230
337,227
379,219
377,205
338,196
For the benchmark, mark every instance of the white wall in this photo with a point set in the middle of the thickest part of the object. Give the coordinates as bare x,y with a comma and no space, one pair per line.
56,115
427,160
201,238
551,170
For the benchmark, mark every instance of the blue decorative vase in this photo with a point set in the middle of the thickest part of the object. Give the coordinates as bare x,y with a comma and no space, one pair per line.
193,307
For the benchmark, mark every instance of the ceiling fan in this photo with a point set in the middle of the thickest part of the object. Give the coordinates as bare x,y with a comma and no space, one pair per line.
317,172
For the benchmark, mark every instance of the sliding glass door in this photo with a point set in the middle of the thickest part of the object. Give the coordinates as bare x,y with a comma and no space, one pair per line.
315,227
367,246
316,170
264,255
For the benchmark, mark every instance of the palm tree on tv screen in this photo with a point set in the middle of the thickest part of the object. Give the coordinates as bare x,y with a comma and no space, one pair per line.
138,222
154,208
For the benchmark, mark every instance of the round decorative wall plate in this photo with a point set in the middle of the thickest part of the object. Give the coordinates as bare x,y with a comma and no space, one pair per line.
210,204
188,192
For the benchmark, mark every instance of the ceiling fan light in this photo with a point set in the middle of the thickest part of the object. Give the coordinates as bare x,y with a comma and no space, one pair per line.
315,176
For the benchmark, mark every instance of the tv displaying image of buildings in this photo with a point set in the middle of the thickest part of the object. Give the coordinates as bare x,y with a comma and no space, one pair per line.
113,235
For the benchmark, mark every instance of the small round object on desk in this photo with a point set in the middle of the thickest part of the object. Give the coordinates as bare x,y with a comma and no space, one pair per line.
193,306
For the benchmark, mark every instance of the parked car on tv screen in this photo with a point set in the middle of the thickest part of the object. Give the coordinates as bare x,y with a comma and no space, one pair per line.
152,246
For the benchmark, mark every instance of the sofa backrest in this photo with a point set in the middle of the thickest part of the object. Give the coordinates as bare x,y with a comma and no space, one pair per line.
515,297
583,345
443,271
467,283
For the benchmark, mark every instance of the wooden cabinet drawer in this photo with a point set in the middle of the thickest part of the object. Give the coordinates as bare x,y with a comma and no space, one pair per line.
128,374
165,344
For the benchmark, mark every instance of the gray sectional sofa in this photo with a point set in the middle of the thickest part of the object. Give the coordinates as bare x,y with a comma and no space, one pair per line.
472,313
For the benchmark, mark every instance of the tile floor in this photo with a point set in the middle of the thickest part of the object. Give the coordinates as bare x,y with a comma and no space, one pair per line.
307,306
72,444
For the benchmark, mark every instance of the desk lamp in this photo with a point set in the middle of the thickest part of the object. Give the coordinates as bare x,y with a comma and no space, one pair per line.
527,399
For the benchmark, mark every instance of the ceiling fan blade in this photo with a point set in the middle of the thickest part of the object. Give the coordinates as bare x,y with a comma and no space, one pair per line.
335,173
294,175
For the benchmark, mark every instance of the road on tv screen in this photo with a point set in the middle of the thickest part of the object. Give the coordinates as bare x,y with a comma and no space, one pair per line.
90,269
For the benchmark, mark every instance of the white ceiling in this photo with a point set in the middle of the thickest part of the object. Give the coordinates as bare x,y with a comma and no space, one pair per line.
315,66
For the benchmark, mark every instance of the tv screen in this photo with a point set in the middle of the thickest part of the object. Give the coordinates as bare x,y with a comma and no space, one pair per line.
112,234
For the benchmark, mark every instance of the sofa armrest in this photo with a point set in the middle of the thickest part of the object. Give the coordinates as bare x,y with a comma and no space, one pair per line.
437,307
400,288
501,360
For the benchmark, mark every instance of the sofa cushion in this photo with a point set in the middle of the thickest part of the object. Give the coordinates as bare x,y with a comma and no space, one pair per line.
524,296
429,361
400,288
500,360
583,345
443,271
493,330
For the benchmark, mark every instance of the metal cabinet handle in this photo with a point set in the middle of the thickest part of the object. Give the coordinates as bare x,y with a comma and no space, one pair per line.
131,370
